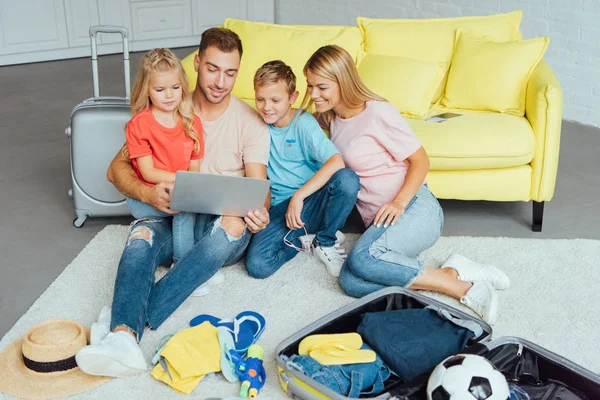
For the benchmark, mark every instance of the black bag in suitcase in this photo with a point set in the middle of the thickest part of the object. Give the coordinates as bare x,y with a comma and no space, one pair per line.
97,131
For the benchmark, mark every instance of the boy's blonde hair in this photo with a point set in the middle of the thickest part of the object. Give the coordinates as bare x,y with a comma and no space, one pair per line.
274,71
334,63
162,60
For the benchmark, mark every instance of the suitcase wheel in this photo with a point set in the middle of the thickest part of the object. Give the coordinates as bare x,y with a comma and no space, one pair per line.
79,221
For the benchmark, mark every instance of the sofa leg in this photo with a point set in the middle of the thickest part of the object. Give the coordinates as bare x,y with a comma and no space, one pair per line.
538,216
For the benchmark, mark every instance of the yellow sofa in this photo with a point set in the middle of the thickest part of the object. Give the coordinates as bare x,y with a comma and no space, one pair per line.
482,155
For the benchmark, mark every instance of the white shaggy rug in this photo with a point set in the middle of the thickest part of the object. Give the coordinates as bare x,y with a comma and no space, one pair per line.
553,301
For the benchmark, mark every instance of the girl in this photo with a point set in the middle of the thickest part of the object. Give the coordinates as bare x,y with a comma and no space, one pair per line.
163,136
403,217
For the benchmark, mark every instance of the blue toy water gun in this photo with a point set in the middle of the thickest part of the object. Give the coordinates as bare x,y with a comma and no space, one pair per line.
251,372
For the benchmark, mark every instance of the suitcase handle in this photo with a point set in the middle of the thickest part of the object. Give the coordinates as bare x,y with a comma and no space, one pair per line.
94,30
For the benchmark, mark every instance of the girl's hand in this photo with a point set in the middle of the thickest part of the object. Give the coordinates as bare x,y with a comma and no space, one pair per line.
292,216
388,214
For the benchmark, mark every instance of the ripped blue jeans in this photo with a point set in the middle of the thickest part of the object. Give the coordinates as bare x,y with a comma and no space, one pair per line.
349,380
139,300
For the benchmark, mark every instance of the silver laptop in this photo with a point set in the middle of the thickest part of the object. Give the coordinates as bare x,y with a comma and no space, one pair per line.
218,194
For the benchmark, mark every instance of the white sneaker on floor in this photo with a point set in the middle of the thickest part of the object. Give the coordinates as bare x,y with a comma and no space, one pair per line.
471,271
333,258
101,327
117,355
307,240
482,299
206,287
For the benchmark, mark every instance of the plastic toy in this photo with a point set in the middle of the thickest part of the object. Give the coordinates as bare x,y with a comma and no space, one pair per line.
251,371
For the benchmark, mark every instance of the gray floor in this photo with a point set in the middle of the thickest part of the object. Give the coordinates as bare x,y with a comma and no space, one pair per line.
37,238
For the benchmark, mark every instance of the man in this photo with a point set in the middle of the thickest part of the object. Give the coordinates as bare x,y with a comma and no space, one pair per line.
236,143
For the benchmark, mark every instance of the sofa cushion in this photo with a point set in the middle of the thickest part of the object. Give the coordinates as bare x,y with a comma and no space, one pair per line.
488,75
476,141
432,40
293,44
413,85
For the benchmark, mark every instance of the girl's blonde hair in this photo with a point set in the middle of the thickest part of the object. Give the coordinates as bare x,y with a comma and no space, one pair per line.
162,60
334,63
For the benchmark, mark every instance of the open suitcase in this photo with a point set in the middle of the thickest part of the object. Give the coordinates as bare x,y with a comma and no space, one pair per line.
97,131
506,353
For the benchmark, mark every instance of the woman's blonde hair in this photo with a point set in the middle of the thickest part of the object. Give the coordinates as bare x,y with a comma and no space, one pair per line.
162,60
334,63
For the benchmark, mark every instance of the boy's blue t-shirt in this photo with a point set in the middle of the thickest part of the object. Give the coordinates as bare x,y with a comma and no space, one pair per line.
298,151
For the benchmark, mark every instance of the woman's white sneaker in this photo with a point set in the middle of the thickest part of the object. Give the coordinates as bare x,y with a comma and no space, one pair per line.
117,355
472,271
101,327
482,299
207,286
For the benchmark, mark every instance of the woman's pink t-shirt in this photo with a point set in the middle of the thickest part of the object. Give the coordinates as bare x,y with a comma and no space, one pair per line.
374,144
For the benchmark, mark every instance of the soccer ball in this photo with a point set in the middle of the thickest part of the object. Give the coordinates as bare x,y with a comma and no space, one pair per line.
466,377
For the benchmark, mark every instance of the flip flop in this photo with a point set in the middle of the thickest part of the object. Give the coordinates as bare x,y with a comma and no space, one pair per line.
228,361
352,341
246,327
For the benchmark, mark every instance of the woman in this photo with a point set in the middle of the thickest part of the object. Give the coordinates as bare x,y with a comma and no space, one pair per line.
403,217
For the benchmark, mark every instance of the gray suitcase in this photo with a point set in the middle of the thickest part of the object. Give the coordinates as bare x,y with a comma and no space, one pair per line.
97,131
503,352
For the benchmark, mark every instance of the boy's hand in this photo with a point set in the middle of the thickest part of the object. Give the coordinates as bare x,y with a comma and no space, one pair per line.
292,216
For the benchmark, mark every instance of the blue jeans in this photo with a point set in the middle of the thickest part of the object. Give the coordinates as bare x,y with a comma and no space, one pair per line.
183,225
349,380
387,256
324,213
139,300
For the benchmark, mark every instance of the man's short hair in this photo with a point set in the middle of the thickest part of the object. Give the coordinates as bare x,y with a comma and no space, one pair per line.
274,71
224,39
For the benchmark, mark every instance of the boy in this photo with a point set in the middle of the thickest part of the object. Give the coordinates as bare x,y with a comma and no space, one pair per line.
311,191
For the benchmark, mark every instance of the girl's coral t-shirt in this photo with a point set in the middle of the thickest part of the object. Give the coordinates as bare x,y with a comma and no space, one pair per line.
171,149
374,144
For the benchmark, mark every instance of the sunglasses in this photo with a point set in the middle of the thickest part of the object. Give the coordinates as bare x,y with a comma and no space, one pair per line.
305,245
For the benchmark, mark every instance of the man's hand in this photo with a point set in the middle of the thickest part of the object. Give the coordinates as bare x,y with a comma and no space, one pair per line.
159,197
257,220
388,214
294,211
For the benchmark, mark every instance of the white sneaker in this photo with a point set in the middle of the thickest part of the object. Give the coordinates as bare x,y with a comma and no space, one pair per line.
206,287
471,271
482,299
101,327
117,355
333,258
307,240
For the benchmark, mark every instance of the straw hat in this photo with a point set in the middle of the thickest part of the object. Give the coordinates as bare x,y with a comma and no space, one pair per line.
42,364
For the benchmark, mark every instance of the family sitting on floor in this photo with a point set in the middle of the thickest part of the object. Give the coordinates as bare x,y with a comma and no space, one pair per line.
373,161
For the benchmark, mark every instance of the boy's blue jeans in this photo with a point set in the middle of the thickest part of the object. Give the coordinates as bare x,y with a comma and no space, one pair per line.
183,225
324,213
388,256
139,301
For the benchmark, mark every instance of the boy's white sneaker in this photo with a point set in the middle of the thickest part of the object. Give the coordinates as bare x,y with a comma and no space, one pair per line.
101,327
482,299
472,271
207,286
333,257
307,240
117,355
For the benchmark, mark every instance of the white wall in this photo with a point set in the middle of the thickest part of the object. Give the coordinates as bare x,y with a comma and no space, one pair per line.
572,25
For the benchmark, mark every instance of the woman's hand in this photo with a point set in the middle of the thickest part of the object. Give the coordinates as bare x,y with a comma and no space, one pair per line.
389,213
292,216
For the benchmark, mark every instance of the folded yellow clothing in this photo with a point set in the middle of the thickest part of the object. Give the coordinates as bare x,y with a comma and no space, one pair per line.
190,355
336,349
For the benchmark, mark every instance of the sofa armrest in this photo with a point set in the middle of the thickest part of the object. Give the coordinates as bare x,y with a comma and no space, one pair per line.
543,110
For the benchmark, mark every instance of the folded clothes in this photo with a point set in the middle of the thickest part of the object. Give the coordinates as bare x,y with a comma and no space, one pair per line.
350,380
336,349
412,341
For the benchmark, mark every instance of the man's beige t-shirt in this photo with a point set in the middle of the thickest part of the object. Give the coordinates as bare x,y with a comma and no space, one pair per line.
237,137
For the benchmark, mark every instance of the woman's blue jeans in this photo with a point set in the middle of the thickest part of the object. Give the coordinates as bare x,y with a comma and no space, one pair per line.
388,256
139,300
183,225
